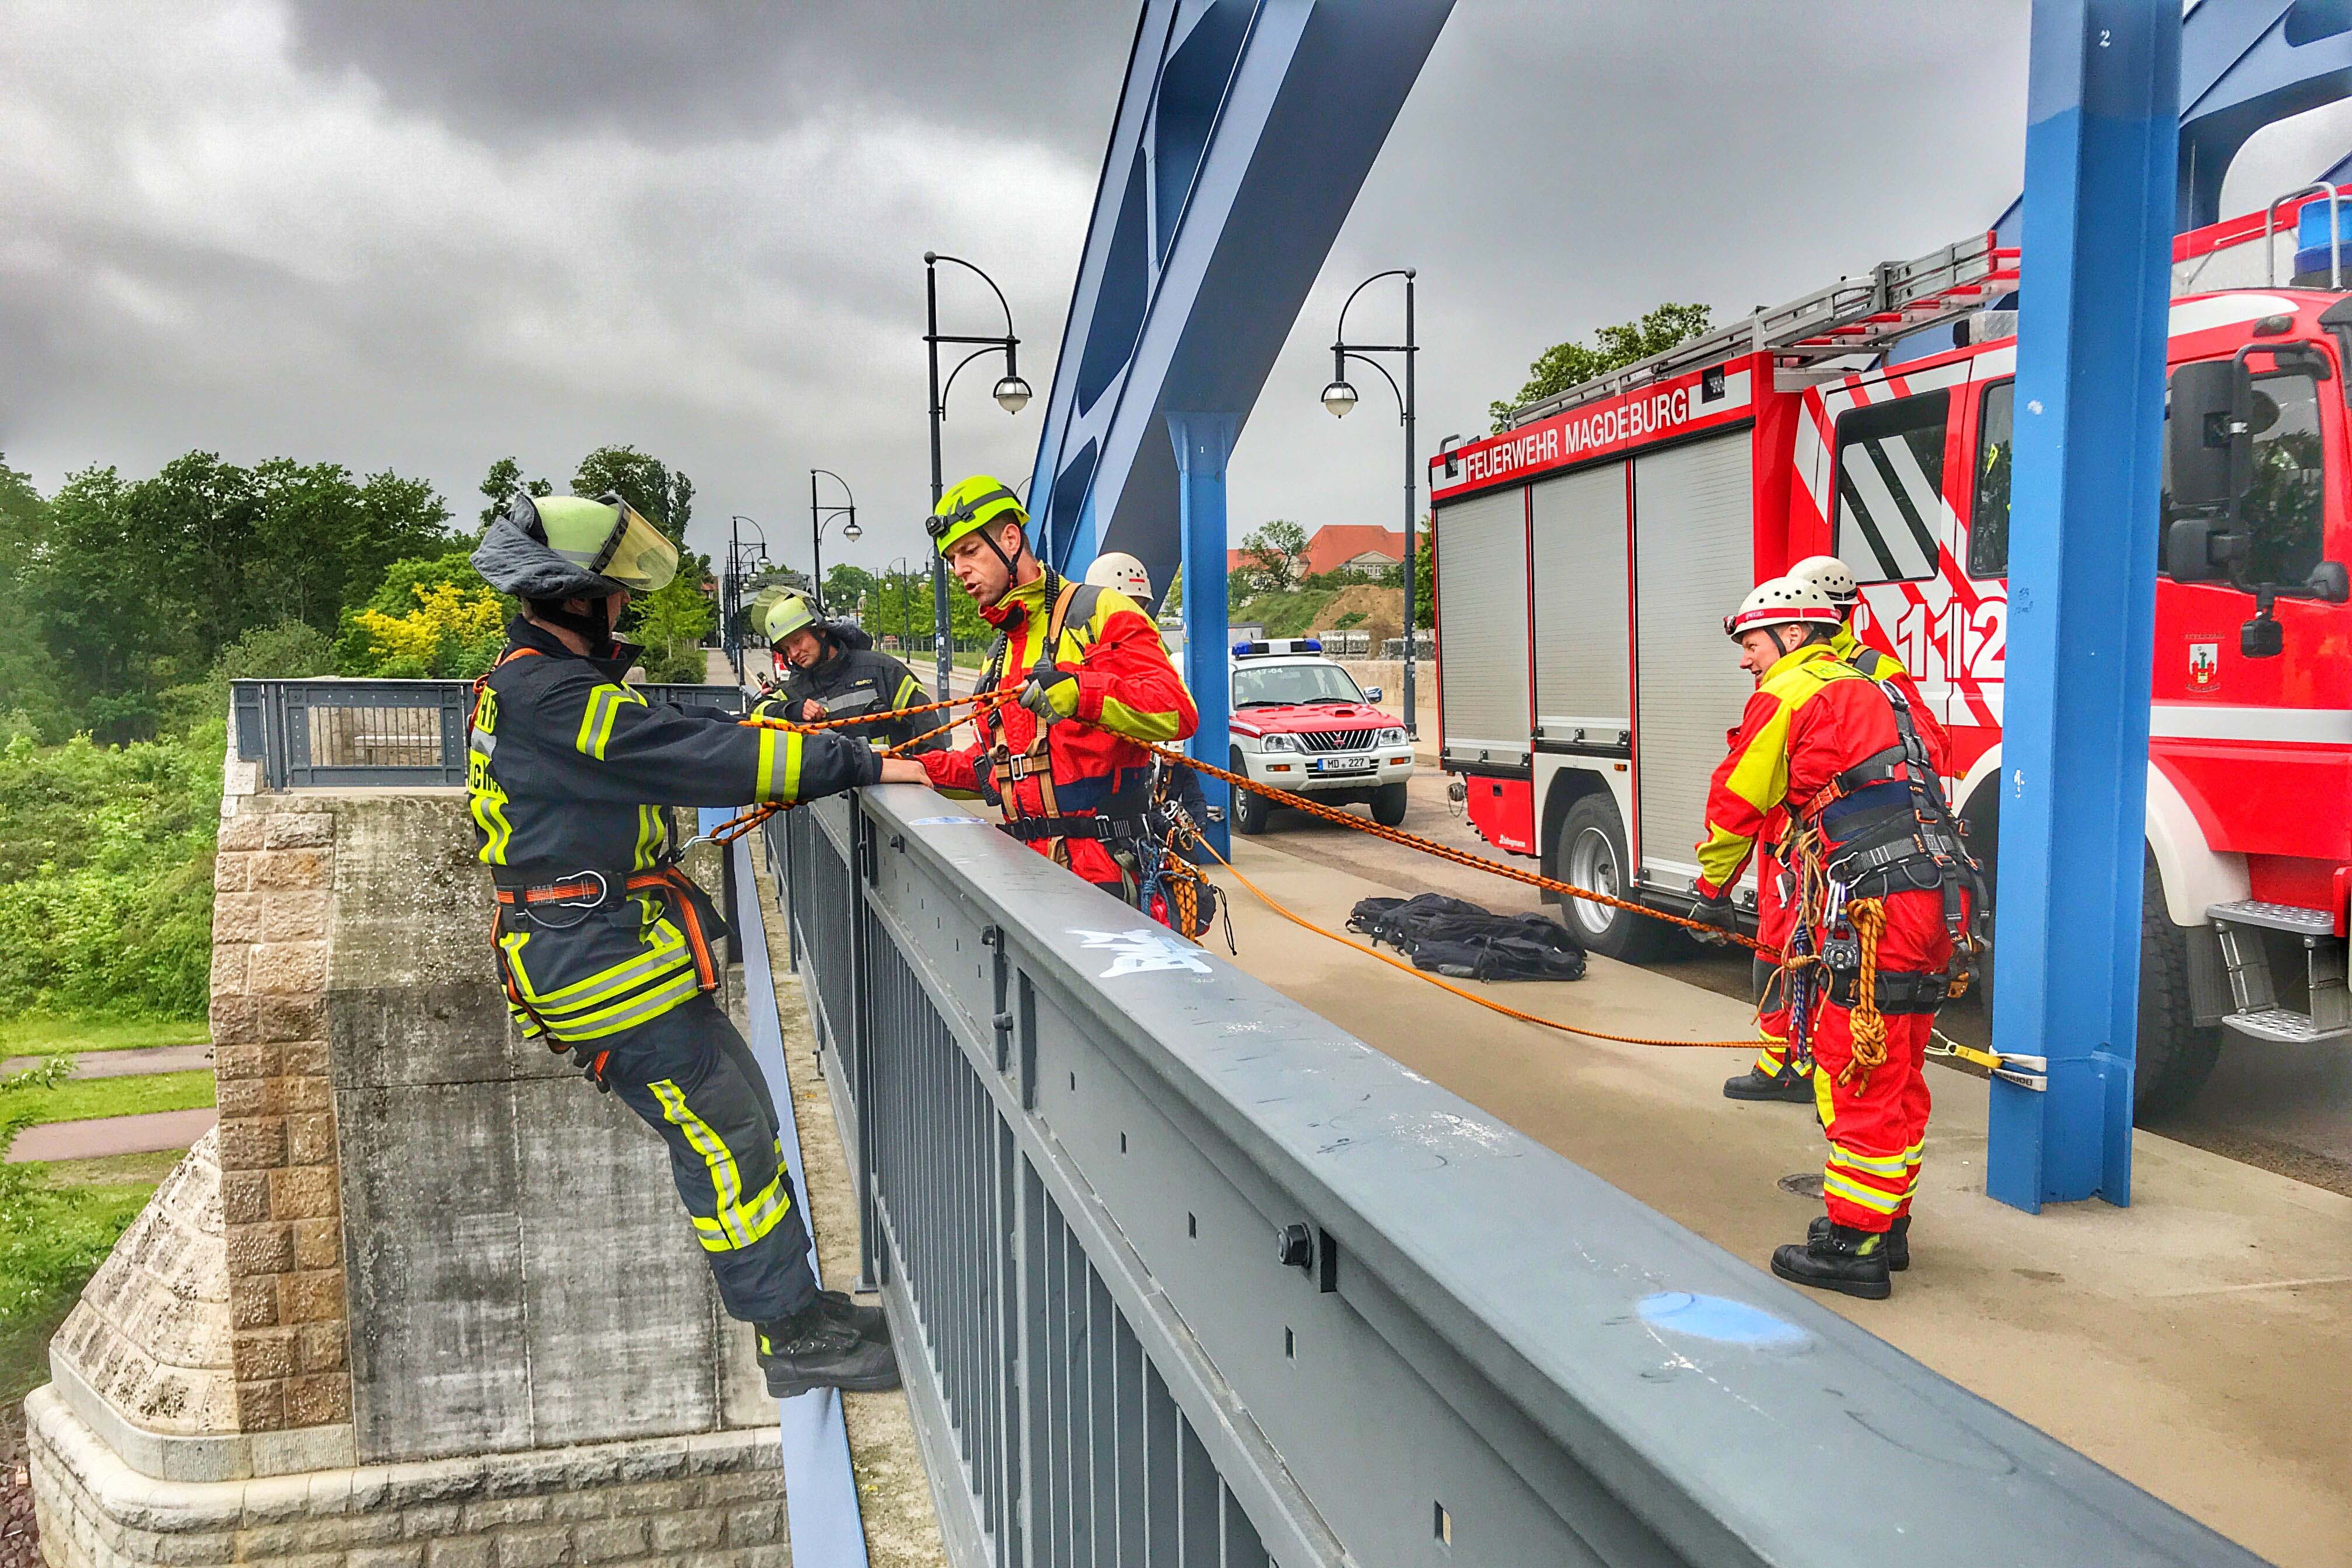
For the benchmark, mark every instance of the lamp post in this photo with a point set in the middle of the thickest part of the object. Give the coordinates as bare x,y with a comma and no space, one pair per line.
1339,397
1012,396
818,516
732,589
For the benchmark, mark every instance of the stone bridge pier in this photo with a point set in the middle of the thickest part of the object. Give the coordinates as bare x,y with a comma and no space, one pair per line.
424,1299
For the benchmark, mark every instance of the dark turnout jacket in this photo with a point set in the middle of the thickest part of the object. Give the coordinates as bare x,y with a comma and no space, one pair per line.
855,679
569,773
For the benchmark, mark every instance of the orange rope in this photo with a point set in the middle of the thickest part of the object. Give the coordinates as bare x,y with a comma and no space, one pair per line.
1867,1024
735,827
1295,918
1458,857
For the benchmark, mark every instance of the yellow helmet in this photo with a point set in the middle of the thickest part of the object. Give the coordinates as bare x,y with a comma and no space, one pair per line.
971,504
789,613
563,547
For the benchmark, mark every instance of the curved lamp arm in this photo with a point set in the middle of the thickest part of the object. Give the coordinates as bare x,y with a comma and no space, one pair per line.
1346,354
1392,272
933,257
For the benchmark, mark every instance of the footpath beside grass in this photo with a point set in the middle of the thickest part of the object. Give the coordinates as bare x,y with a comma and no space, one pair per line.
50,1036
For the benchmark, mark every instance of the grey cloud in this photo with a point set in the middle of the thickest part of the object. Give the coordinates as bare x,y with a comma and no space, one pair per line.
671,73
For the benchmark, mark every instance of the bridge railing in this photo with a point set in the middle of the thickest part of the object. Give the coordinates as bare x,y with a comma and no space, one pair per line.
325,734
1183,1274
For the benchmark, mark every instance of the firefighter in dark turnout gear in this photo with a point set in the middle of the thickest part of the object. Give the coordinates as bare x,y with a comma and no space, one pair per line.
605,946
831,669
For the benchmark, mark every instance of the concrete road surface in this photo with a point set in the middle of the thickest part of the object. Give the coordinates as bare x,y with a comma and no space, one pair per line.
2286,1109
2199,1341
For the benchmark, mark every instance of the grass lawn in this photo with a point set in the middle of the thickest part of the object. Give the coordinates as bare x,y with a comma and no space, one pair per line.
43,1036
80,1099
63,1221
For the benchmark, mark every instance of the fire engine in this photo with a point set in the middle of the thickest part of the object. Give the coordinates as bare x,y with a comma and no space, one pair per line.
1586,554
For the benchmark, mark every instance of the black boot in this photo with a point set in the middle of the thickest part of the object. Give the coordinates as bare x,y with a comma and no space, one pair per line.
1898,1240
1788,1084
1852,1262
815,1348
865,1323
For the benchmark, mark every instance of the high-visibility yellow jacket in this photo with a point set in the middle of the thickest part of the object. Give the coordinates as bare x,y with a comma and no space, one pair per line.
1128,693
1880,665
1811,716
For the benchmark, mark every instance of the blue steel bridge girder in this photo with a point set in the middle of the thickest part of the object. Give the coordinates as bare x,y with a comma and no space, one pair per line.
2244,64
1244,131
2102,133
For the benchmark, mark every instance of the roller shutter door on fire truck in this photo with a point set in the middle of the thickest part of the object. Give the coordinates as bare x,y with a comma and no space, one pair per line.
1694,548
1583,682
1482,663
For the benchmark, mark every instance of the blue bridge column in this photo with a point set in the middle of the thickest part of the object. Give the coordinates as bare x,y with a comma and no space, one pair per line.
2102,137
1204,442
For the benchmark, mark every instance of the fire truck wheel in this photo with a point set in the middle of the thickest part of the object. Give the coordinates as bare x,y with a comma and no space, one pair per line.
2176,1056
1388,805
1591,853
1250,809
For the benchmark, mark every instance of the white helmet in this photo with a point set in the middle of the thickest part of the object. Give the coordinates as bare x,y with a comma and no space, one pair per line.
1117,569
1778,602
1831,575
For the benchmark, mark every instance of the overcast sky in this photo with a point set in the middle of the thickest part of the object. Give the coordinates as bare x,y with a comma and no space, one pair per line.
427,234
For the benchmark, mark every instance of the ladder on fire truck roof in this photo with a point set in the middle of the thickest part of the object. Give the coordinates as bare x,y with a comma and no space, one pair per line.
1853,316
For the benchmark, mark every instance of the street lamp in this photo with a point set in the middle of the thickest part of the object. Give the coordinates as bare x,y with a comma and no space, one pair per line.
731,586
1339,397
1012,393
818,516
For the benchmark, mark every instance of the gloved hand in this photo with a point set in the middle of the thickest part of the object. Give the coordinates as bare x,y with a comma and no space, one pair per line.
1714,909
591,1063
1052,697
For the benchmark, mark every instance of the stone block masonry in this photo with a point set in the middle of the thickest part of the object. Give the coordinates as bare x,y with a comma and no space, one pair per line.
425,1297
274,881
706,1499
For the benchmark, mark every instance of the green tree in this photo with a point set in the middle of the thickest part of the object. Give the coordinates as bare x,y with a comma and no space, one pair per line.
32,696
645,482
404,591
671,623
504,478
849,589
1572,363
136,586
1424,574
1276,556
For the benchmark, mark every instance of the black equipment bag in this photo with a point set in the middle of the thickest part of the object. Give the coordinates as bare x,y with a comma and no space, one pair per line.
1454,937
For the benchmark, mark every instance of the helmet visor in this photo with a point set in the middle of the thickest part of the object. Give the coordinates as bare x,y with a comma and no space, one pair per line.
641,558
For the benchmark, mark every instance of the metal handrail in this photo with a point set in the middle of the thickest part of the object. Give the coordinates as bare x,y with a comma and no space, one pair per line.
336,733
2334,233
1181,1273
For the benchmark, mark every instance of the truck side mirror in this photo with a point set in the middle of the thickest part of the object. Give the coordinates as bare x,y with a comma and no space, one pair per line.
2210,435
2189,550
2329,582
1372,693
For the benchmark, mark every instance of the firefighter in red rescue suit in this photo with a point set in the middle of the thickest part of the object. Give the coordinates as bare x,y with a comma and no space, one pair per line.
1774,1076
1087,679
1884,886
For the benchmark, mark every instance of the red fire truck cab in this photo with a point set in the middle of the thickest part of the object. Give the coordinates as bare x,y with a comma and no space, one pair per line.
1586,557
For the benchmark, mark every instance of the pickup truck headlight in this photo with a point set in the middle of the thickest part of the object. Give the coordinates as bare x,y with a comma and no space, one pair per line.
1277,742
1392,736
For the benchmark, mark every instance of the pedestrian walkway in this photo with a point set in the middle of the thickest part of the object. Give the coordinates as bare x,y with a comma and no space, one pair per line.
135,1063
2212,1318
99,1136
